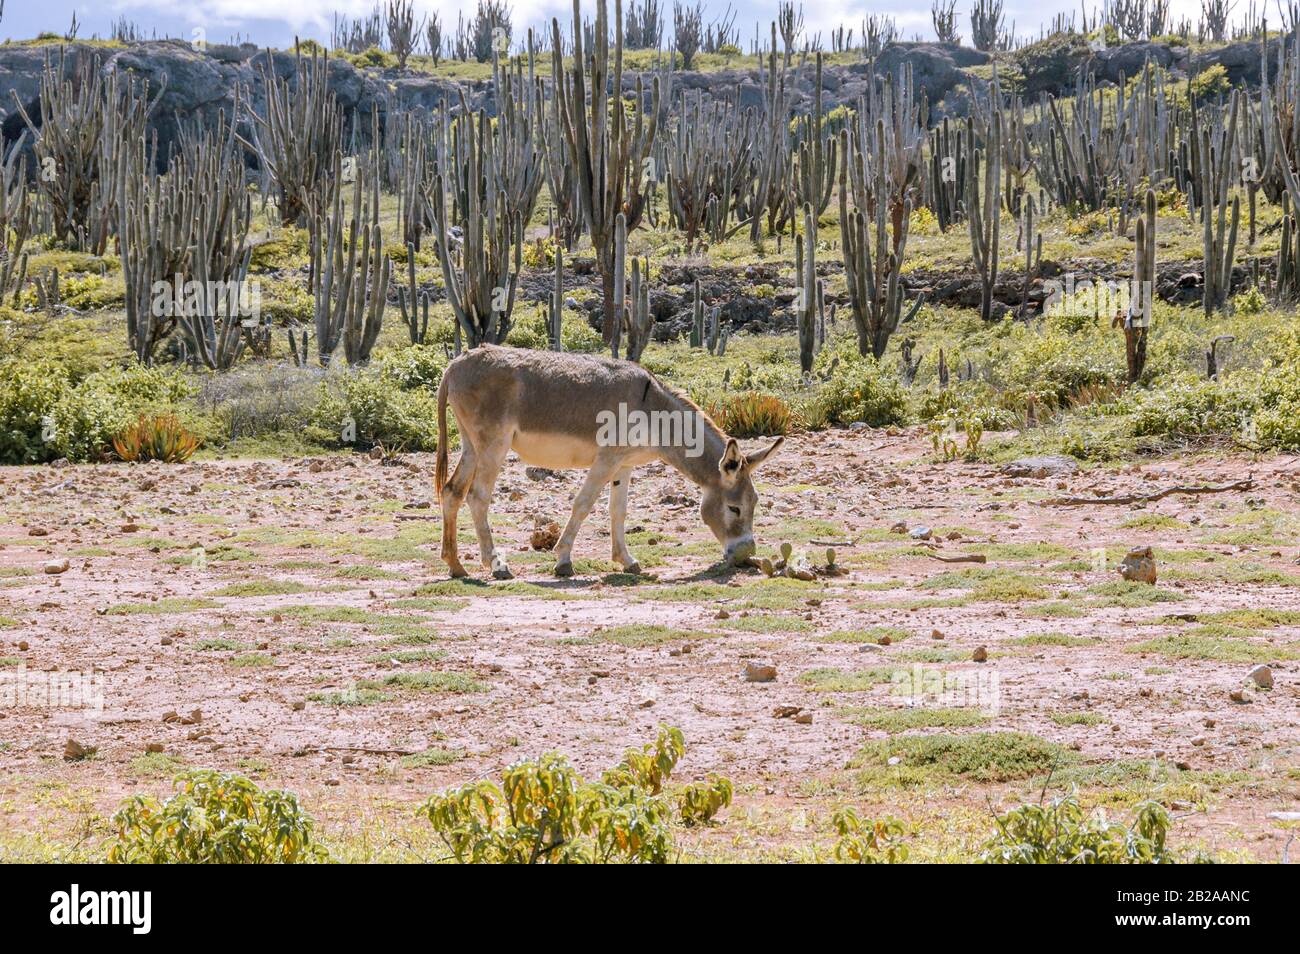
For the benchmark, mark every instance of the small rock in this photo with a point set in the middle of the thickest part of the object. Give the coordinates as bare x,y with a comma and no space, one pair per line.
1139,566
884,640
74,751
759,673
1262,676
376,453
53,567
646,704
920,533
298,705
154,747
784,712
804,718
538,473
900,527
935,634
1238,696
166,640
980,655
722,614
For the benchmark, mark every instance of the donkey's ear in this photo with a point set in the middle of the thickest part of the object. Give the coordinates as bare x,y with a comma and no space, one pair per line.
732,461
756,458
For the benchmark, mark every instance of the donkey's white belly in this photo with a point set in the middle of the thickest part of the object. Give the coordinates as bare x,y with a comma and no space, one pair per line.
554,451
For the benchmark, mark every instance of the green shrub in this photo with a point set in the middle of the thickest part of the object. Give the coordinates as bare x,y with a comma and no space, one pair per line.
417,366
1188,406
378,410
1060,833
858,390
45,415
28,393
214,818
543,812
1211,83
530,331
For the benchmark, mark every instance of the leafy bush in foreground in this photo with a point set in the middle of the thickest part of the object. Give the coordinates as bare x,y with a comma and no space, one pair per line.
1060,833
214,818
868,841
543,812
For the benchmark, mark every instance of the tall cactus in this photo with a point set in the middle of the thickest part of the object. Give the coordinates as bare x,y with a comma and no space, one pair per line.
183,241
815,160
984,210
607,151
413,302
297,136
1137,320
89,125
810,292
349,277
481,275
874,234
1212,154
555,307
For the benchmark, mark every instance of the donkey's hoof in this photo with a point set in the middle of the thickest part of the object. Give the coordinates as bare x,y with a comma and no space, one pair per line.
564,569
458,571
500,571
634,568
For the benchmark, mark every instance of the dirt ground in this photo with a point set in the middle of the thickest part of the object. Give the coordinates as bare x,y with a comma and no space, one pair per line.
300,607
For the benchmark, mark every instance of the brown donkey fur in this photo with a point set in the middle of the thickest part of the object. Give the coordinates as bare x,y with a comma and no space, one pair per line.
558,410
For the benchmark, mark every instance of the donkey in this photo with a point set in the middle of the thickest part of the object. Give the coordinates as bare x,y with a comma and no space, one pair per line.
559,410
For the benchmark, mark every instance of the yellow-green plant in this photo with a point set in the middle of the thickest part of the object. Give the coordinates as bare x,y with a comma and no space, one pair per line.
544,812
753,415
868,841
156,437
214,818
1060,833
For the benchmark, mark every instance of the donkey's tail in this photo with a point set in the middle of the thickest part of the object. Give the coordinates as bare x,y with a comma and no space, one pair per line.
440,473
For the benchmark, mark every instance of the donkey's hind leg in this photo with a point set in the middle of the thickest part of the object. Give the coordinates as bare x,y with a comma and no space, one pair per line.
453,495
488,466
618,519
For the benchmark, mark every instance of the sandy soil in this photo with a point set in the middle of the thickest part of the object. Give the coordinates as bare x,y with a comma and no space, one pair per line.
256,592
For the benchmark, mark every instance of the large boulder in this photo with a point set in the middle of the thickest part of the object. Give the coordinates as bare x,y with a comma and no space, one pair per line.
1241,60
1125,62
934,70
1052,64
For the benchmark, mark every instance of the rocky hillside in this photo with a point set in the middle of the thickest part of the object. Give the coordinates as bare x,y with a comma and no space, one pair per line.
197,84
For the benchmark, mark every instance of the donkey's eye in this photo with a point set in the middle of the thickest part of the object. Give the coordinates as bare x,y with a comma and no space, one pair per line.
735,510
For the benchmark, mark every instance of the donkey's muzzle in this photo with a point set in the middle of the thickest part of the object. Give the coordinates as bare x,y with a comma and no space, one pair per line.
738,553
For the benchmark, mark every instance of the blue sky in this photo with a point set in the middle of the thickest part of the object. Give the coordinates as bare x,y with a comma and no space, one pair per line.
276,22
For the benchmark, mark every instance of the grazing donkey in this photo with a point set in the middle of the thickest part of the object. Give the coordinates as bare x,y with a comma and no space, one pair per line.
559,410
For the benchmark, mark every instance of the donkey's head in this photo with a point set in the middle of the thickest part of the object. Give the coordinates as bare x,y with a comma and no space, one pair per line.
727,507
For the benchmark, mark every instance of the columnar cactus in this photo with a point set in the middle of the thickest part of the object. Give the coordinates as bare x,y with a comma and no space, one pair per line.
607,151
349,278
984,209
297,135
481,274
89,126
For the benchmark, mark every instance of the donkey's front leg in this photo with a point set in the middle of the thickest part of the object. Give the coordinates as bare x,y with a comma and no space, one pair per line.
617,520
599,475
